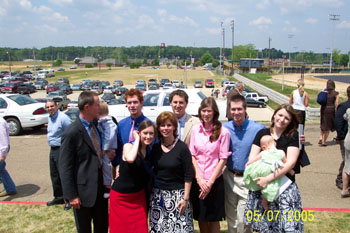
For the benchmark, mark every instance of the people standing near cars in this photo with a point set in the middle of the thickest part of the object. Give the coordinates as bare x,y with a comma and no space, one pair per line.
170,209
108,129
80,167
58,122
299,99
5,178
242,133
128,211
328,112
341,126
126,127
178,102
209,147
283,129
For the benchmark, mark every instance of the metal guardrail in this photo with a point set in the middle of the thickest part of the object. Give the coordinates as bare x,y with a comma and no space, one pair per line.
311,113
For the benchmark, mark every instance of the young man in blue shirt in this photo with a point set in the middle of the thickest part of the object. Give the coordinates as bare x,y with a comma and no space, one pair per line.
242,132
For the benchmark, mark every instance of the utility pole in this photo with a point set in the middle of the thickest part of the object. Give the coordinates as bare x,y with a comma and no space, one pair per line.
8,53
290,37
232,28
269,52
220,53
333,18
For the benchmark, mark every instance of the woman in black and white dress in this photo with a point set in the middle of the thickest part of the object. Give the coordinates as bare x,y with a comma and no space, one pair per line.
172,164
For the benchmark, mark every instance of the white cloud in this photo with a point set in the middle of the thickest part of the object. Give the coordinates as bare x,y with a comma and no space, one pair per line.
214,19
122,31
2,12
61,2
284,10
117,19
311,20
261,22
46,28
57,17
263,4
213,31
162,12
146,21
287,6
287,22
291,29
25,4
117,4
344,25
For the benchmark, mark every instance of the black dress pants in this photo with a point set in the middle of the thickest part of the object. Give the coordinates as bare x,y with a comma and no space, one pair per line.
54,174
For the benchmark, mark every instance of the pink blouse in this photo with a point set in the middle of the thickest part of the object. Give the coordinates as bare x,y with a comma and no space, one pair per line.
206,153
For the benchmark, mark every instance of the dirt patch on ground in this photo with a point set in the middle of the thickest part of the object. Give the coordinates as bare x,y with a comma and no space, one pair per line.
311,82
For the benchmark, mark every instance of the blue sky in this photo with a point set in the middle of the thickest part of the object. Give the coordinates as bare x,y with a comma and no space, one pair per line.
36,23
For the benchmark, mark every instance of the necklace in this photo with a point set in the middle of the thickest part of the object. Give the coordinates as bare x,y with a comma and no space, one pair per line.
169,145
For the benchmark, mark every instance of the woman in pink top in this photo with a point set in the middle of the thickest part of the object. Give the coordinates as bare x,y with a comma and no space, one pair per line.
209,147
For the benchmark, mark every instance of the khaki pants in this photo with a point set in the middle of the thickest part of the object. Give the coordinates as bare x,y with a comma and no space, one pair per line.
235,201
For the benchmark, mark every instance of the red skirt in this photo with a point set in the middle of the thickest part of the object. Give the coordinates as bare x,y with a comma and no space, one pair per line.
128,212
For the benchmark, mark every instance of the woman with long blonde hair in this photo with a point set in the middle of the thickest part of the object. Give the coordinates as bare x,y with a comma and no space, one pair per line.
299,99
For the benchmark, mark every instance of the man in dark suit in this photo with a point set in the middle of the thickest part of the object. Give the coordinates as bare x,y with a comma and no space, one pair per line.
80,167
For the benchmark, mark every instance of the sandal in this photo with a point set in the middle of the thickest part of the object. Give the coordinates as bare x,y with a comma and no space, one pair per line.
323,144
344,195
320,141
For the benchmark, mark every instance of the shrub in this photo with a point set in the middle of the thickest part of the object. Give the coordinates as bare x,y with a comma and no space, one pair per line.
89,65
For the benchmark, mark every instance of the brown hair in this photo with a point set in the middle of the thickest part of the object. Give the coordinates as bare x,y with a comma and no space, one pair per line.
238,98
133,92
210,102
180,93
348,91
162,118
86,97
294,121
330,85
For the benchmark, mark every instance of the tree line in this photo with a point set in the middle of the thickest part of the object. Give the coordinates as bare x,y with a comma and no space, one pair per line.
122,54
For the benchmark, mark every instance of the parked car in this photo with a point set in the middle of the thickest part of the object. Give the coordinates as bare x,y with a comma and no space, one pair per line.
87,86
209,83
223,81
21,111
51,87
121,90
60,69
62,102
198,84
76,87
157,101
140,82
66,88
107,97
73,67
164,81
41,84
118,82
167,86
141,87
73,104
109,89
176,83
151,81
256,96
26,88
255,103
73,113
11,87
153,86
53,94
46,73
97,89
63,80
120,100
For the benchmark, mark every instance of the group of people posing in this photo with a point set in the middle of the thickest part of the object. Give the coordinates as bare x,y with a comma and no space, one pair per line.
180,168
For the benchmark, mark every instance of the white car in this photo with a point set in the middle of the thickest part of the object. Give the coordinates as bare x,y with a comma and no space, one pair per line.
21,111
157,101
167,86
176,83
72,104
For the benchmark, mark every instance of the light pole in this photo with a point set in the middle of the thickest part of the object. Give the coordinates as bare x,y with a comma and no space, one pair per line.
290,37
349,60
284,57
332,17
8,53
220,52
232,28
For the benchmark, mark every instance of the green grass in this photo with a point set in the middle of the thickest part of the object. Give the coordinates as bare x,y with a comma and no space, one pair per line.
264,79
39,218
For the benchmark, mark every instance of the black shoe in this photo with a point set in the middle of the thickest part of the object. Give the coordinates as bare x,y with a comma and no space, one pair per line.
55,201
67,206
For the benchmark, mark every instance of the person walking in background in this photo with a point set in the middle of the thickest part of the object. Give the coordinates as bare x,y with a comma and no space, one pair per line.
346,170
328,112
283,129
57,123
209,147
5,178
170,210
128,211
80,167
341,126
299,99
242,133
178,102
108,129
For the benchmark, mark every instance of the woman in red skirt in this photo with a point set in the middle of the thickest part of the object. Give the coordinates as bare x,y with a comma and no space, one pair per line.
128,211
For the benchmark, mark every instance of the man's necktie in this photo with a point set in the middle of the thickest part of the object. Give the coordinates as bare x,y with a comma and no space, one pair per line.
131,135
96,144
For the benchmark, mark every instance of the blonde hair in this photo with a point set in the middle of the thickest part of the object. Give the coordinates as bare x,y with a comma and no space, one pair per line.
103,108
300,85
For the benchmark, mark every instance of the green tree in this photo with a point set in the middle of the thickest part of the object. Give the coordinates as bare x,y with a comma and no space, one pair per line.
109,64
88,65
57,62
76,61
206,58
336,56
344,59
